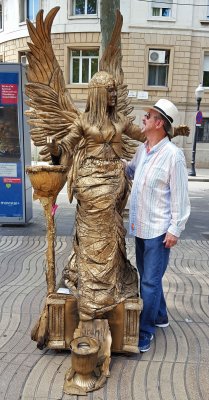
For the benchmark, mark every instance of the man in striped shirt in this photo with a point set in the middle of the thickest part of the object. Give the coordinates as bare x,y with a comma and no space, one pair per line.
159,209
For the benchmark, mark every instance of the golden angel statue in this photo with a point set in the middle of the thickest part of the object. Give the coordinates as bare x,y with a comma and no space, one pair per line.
92,145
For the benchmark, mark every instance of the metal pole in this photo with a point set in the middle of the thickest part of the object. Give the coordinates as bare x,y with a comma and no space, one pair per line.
193,172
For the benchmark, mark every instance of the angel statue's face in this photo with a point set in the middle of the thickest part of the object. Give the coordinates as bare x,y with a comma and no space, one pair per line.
111,96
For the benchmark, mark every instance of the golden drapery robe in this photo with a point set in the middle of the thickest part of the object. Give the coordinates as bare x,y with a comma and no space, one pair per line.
98,271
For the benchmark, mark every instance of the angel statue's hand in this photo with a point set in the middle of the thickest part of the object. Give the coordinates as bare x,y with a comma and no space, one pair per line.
52,146
181,130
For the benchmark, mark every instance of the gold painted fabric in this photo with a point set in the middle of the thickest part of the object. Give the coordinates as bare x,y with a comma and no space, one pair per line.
100,270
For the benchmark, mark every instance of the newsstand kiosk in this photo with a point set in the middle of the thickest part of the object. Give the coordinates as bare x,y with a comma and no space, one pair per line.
15,147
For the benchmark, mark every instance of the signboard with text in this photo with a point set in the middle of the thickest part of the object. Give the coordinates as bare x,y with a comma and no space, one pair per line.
11,190
8,93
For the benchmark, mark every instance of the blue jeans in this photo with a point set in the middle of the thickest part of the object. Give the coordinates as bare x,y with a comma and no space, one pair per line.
152,260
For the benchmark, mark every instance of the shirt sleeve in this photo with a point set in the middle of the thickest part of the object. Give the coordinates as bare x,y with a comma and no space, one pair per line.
179,196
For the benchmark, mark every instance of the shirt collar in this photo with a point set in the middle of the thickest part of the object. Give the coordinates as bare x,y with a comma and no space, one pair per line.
157,147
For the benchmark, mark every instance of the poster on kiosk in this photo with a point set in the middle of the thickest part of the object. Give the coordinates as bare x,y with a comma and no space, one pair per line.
15,153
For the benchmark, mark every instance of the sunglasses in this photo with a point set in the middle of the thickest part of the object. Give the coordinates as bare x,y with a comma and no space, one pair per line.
148,116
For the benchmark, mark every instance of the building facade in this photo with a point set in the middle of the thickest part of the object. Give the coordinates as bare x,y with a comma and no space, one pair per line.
165,47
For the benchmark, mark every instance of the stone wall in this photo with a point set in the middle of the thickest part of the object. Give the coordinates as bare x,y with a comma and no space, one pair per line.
186,62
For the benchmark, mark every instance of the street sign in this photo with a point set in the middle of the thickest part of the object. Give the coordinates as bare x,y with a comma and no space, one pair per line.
199,118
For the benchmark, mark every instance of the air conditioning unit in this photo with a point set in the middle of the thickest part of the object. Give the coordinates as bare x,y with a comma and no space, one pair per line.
157,56
23,60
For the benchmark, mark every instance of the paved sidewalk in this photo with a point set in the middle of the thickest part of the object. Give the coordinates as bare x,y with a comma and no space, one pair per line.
202,175
175,368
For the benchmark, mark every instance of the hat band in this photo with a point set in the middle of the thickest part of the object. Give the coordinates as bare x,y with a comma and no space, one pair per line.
163,112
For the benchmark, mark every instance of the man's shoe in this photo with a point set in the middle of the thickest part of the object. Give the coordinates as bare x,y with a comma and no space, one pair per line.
144,341
162,322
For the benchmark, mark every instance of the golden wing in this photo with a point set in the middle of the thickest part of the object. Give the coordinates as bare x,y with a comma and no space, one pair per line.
111,62
52,111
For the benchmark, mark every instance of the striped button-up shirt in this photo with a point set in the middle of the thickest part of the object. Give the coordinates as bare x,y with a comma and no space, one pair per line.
159,200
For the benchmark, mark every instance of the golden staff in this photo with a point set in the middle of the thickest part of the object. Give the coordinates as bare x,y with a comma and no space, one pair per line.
47,181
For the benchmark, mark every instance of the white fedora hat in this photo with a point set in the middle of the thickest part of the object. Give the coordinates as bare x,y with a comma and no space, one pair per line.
169,111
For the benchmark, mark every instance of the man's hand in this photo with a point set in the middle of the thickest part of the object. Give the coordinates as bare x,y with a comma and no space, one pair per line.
52,146
170,240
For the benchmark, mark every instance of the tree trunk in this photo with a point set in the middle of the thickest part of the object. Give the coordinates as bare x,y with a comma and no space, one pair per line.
107,20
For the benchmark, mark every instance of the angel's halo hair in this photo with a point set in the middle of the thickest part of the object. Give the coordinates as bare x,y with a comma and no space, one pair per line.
101,79
96,105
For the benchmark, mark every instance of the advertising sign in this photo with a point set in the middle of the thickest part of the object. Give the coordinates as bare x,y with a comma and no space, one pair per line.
11,201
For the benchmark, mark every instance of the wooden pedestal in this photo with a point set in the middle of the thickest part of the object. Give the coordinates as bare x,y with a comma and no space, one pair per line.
123,321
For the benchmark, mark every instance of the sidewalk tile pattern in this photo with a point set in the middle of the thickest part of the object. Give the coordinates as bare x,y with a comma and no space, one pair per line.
175,368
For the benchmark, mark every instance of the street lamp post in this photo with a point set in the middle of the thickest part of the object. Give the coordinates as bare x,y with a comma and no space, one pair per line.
198,94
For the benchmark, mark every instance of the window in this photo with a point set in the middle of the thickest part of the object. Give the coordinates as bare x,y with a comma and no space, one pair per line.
84,64
28,9
208,10
158,67
1,15
206,70
84,7
161,9
22,57
203,131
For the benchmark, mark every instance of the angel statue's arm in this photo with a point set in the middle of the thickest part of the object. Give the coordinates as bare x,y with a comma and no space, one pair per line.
135,133
62,152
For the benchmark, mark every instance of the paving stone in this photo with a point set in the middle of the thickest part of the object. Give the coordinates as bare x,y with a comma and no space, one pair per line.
178,383
165,387
175,368
14,388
